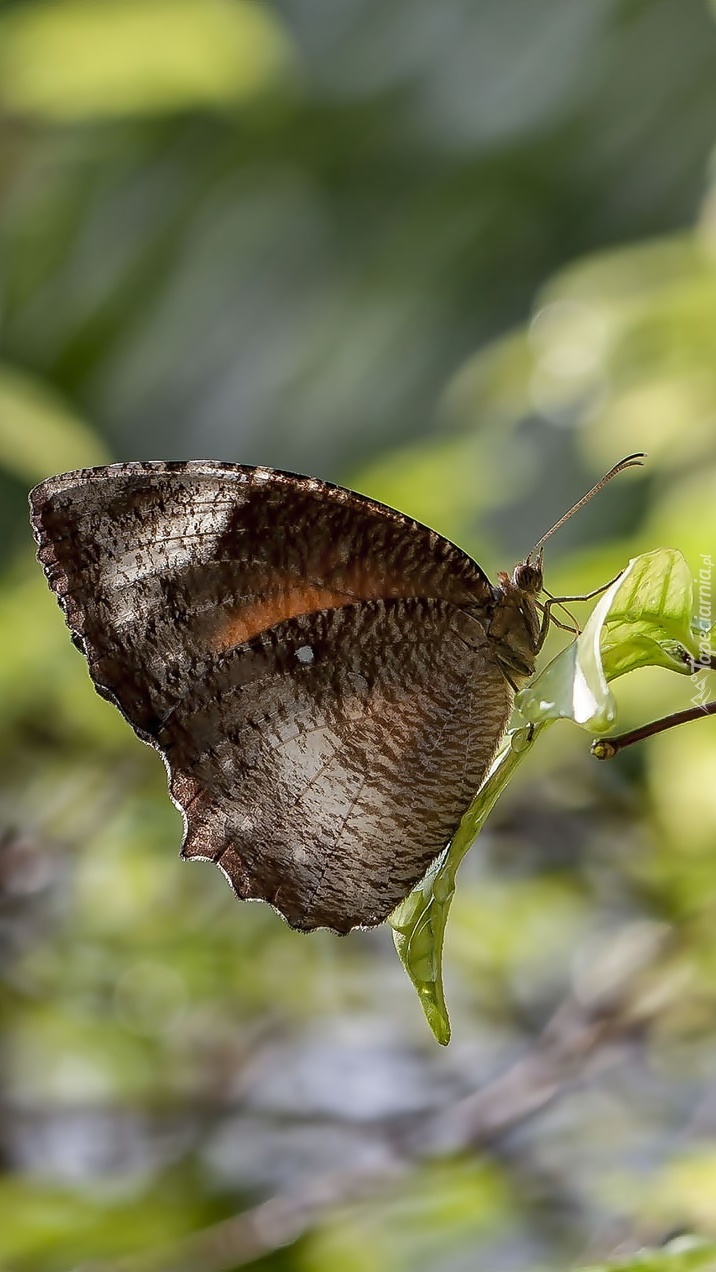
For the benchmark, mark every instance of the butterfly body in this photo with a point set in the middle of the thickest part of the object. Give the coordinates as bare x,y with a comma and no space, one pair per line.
327,680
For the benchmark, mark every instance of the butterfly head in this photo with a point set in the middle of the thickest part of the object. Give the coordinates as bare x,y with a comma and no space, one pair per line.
520,621
527,576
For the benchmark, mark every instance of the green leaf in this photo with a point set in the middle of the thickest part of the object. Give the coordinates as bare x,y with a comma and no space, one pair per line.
419,921
642,620
649,623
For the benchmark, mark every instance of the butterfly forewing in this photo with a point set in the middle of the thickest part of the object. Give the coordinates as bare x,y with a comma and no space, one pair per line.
158,565
303,657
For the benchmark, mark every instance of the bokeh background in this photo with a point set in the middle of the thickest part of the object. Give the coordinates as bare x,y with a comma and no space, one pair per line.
462,257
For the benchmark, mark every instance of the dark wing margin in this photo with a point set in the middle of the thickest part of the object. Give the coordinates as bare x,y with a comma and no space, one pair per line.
327,762
160,567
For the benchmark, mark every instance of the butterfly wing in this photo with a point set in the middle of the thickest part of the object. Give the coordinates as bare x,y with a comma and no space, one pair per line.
325,763
302,658
159,567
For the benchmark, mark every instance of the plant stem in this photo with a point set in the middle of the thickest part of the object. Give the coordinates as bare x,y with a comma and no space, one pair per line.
607,748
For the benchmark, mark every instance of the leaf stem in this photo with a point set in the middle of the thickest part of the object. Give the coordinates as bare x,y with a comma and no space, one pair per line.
607,748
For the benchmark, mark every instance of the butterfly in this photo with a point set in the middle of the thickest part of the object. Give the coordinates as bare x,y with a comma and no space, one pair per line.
327,680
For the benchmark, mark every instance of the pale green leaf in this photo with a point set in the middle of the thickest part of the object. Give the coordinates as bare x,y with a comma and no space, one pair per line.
643,619
419,921
649,622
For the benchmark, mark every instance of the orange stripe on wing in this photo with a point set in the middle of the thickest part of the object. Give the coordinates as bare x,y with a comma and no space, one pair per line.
287,601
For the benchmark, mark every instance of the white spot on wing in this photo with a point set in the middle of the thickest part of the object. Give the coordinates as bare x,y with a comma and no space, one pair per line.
304,654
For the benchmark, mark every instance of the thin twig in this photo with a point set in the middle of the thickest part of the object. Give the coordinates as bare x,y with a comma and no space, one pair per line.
607,748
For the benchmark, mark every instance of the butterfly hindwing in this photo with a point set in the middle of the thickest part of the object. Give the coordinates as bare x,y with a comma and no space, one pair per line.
324,764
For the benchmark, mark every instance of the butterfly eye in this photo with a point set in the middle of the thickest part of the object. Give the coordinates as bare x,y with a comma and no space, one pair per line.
528,577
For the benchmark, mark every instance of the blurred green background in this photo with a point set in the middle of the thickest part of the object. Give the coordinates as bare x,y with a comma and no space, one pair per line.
460,256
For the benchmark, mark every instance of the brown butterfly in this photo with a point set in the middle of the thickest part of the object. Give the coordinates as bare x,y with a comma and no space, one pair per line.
326,680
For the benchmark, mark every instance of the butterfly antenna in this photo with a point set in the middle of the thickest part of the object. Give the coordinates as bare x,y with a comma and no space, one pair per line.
631,461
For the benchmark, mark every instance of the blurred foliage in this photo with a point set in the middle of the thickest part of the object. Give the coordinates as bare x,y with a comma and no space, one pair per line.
39,432
462,257
73,59
684,1254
